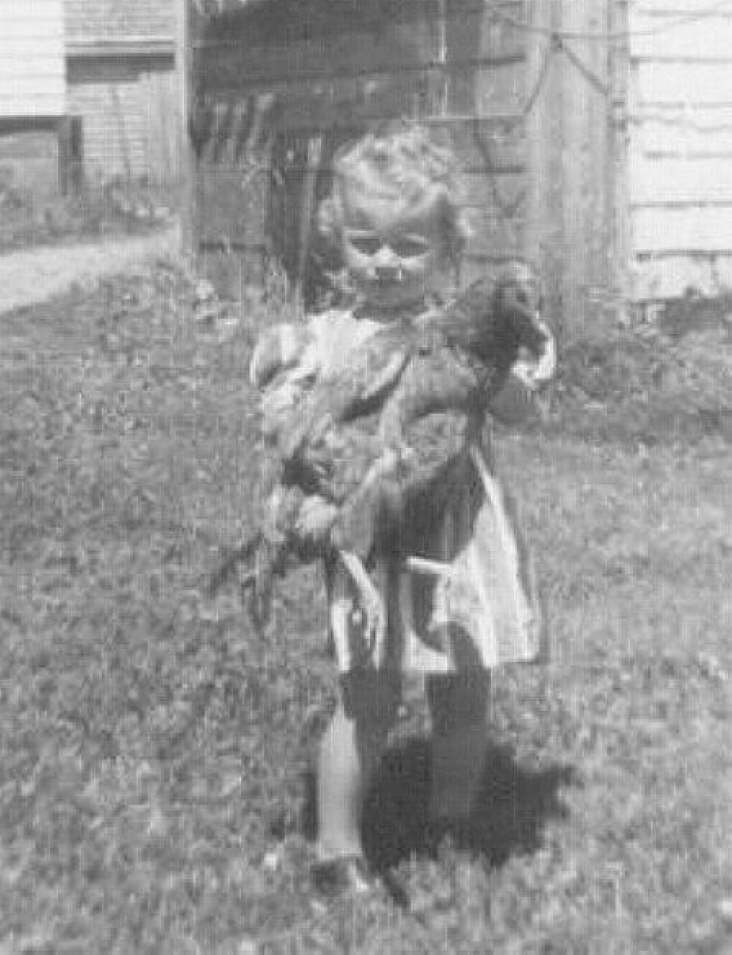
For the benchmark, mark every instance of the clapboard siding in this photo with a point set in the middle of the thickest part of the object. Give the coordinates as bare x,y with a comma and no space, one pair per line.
121,85
681,146
694,84
129,120
696,230
706,39
675,181
113,19
675,132
32,72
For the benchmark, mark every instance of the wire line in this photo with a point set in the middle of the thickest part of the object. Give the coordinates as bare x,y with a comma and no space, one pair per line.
619,36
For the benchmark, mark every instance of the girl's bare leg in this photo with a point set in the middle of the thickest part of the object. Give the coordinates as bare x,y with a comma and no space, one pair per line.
354,742
349,755
458,706
340,789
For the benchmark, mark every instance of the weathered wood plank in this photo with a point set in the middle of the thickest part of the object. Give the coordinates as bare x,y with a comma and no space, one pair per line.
35,49
17,74
19,26
682,230
494,235
677,9
231,208
681,180
708,39
681,133
32,77
702,84
669,276
544,143
481,143
487,143
232,67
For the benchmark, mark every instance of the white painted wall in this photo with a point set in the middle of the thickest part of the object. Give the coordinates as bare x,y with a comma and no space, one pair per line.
32,64
681,146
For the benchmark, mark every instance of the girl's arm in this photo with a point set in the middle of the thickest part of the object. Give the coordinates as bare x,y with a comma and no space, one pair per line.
278,348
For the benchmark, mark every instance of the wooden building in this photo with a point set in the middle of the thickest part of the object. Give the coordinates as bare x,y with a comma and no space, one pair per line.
274,86
594,137
121,90
680,147
32,93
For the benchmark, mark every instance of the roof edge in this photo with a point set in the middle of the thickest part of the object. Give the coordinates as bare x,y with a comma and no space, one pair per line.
124,46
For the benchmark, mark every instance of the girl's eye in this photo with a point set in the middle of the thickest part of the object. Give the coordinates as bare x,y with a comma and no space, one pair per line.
365,244
409,248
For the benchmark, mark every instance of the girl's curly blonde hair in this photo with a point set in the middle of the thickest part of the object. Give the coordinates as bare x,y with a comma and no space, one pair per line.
398,159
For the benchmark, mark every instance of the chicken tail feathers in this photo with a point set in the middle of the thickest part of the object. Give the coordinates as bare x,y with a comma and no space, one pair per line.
243,554
263,561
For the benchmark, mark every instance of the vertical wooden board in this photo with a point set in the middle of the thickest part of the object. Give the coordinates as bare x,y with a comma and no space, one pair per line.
584,167
471,35
232,206
187,23
160,110
496,195
619,148
574,124
598,161
544,133
494,236
483,143
499,88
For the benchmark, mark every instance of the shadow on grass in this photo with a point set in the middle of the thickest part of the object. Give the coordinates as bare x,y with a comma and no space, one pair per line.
513,805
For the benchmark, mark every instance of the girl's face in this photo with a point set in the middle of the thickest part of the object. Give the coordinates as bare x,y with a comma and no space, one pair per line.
391,251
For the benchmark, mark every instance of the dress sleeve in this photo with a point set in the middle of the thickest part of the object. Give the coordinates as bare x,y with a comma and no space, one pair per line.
278,348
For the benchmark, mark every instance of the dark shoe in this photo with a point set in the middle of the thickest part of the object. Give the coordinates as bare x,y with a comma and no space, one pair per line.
344,874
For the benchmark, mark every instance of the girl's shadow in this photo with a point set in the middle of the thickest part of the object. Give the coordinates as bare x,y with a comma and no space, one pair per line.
513,804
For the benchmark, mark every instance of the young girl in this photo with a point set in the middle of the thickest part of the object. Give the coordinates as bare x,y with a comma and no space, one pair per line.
395,216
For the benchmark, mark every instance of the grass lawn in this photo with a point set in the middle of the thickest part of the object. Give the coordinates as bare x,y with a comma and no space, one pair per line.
154,753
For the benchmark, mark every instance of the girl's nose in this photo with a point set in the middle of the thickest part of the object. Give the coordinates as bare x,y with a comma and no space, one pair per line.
386,264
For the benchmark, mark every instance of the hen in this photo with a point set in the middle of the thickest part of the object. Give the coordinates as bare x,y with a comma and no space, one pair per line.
399,408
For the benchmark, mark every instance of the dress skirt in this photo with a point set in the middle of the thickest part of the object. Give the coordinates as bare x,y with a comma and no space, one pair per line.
459,585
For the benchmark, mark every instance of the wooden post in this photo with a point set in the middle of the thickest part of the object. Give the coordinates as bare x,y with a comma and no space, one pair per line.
307,210
575,102
188,166
618,141
544,150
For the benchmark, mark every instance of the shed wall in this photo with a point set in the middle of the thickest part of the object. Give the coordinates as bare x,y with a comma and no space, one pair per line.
532,95
32,72
681,147
324,82
128,107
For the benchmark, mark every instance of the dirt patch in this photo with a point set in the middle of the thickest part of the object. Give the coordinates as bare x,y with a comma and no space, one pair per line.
33,275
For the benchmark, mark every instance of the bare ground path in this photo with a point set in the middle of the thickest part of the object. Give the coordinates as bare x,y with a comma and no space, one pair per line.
29,276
